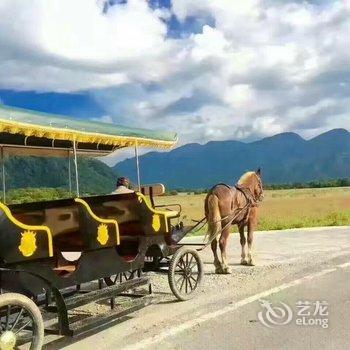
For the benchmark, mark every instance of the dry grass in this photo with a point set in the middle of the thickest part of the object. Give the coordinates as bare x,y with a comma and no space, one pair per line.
283,209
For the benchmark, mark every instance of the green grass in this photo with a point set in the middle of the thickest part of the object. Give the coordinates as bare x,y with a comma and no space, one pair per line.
282,209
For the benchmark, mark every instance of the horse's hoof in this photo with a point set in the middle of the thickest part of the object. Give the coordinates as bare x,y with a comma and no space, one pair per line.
250,263
226,271
244,262
218,270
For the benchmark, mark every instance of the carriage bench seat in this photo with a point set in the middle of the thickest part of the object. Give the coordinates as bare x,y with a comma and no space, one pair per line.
21,241
134,213
73,226
153,190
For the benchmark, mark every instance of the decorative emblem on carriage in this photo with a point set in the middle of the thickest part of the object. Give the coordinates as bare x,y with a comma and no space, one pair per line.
28,243
156,222
102,234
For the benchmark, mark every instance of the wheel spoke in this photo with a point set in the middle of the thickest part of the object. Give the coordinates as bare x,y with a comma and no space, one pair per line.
181,266
195,282
8,314
190,263
193,264
179,280
17,319
186,285
179,271
194,279
24,326
182,284
190,284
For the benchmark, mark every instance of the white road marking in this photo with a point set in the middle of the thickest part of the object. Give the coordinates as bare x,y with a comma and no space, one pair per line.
344,265
146,343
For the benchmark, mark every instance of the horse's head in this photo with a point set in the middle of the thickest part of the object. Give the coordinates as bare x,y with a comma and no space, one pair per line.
252,180
258,186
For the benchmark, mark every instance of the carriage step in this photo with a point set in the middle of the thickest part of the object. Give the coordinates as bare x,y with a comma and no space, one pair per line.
93,322
113,316
100,294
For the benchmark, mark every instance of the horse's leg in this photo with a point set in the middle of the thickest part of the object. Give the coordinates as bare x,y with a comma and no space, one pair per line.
243,244
214,226
252,224
214,248
251,227
223,244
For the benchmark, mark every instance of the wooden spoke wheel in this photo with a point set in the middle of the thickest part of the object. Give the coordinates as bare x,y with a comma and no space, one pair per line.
122,277
185,273
21,322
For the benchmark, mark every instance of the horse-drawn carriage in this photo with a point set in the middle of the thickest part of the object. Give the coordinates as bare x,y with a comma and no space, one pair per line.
51,252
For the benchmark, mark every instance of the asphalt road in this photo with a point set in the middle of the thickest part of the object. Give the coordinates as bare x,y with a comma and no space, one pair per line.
292,266
242,329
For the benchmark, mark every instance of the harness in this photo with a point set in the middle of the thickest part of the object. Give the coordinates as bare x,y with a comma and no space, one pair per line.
250,203
244,190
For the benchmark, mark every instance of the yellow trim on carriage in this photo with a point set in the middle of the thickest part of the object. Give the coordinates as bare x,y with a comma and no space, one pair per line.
26,227
166,214
14,127
98,219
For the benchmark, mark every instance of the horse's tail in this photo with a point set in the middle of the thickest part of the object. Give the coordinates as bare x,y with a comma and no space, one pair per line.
212,212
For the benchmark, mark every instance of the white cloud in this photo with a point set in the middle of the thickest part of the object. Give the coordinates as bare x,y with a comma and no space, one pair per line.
63,45
239,95
266,67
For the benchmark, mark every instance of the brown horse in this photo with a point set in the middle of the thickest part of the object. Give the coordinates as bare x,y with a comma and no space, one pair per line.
226,206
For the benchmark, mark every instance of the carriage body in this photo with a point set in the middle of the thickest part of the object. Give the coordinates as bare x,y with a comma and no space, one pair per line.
49,249
73,241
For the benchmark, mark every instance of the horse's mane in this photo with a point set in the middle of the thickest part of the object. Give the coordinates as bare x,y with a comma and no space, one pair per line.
245,177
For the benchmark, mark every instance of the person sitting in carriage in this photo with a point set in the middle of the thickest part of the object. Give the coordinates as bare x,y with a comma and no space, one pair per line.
123,186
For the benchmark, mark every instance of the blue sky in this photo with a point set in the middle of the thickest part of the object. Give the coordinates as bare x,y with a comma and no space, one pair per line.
209,70
82,104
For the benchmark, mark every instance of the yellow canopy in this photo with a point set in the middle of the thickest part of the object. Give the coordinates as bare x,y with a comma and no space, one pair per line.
20,127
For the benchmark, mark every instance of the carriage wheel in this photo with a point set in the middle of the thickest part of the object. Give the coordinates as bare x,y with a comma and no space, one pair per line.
20,322
185,273
122,277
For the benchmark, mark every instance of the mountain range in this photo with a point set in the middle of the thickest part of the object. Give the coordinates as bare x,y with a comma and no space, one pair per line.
284,158
95,177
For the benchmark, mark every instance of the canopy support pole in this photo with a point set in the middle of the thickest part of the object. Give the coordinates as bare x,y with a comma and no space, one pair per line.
70,172
137,166
3,175
76,167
